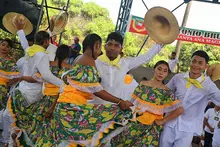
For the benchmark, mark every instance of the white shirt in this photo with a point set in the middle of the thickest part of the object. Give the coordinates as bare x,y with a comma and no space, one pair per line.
128,89
32,92
194,101
172,64
210,115
216,136
38,63
112,77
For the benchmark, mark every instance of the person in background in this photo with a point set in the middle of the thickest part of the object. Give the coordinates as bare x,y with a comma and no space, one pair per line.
211,116
173,62
216,136
75,50
53,40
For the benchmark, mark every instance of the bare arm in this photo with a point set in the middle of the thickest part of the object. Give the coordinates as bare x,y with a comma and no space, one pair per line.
124,105
205,123
171,116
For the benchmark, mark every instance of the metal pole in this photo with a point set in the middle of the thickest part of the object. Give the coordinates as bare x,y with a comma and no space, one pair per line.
178,45
67,6
145,4
40,15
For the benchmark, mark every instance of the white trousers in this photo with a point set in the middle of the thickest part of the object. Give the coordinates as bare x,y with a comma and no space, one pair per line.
6,125
215,144
171,137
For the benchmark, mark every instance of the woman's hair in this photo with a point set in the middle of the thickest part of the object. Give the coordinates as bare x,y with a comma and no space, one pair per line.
40,37
162,62
9,41
63,52
89,42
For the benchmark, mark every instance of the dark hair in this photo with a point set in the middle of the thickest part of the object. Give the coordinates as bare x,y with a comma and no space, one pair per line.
173,53
202,54
115,36
40,37
89,41
63,52
144,79
30,38
162,62
9,41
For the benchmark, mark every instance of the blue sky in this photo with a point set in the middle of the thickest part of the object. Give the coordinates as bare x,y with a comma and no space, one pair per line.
203,16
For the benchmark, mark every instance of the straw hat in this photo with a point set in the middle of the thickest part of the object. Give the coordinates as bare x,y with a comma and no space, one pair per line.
161,25
214,72
9,23
60,21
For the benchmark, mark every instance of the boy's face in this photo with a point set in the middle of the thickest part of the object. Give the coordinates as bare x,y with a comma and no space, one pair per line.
198,65
113,49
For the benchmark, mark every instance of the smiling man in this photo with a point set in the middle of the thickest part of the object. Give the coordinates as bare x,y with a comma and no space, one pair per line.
113,68
194,90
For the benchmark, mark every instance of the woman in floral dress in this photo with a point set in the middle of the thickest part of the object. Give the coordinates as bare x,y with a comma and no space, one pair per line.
8,70
151,100
50,92
74,118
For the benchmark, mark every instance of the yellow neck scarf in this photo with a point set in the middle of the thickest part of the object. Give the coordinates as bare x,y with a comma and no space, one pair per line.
31,51
105,59
195,82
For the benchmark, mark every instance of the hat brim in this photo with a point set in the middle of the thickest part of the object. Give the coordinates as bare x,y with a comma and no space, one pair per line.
215,72
161,33
7,22
60,23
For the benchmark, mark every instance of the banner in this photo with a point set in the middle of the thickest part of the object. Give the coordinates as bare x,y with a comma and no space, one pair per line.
199,36
136,25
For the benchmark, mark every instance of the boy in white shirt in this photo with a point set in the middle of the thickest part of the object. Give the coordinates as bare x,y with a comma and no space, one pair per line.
173,62
113,68
216,136
211,117
194,90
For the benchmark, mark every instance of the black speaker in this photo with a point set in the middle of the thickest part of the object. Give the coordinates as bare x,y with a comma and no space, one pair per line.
29,10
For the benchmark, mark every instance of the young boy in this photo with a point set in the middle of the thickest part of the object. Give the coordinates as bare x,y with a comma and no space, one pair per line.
194,90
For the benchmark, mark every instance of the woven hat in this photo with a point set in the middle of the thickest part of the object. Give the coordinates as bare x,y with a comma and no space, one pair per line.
9,23
60,22
161,25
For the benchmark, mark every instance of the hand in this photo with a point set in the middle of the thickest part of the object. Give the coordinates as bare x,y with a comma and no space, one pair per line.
19,22
14,81
125,105
218,124
159,122
52,23
211,129
49,113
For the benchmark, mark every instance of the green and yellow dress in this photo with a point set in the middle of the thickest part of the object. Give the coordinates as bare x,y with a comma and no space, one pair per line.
30,121
75,121
8,70
149,104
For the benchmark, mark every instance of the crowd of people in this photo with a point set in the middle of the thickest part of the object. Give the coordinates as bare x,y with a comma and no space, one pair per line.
92,100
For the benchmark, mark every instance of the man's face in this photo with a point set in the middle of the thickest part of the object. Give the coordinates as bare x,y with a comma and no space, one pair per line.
198,65
113,49
173,56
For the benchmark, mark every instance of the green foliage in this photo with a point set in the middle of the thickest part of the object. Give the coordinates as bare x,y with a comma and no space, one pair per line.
85,18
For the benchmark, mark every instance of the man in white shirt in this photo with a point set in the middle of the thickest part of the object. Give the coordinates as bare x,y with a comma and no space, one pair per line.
194,90
211,117
216,136
173,62
113,68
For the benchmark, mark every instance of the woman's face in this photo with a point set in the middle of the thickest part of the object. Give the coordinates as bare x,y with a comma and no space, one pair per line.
4,47
97,49
161,72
